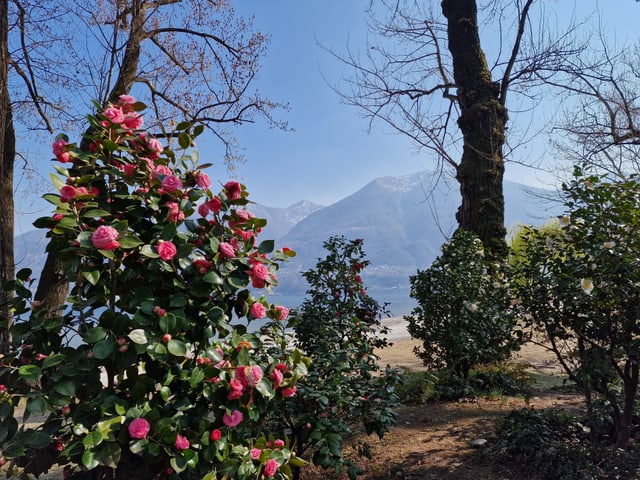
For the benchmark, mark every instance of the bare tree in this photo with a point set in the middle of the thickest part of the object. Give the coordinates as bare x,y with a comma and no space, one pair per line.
601,101
427,76
7,156
192,60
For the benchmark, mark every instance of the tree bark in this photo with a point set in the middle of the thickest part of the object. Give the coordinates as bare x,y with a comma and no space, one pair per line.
53,285
7,159
482,121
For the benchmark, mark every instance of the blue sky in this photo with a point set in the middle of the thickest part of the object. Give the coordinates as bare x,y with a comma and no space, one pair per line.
329,153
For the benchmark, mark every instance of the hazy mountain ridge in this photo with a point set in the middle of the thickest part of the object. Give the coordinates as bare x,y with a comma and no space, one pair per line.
393,215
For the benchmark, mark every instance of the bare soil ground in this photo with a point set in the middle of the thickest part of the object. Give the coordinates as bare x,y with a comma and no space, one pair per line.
433,440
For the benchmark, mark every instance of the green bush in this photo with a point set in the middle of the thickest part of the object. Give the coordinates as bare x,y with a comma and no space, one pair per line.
417,387
339,326
464,315
555,446
579,285
148,371
444,384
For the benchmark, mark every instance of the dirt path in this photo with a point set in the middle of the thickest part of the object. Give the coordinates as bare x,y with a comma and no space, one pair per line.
433,441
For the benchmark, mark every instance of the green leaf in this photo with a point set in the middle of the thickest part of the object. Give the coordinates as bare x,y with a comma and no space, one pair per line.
184,140
266,246
95,213
183,126
213,278
165,393
191,457
64,387
57,181
197,376
89,460
138,336
108,254
104,349
30,372
129,241
139,446
106,428
93,439
94,335
149,252
197,130
265,388
109,455
178,463
53,360
55,200
35,439
177,348
91,276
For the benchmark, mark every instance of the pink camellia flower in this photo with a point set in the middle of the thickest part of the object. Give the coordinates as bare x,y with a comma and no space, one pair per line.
234,419
126,102
237,389
259,275
155,147
182,443
202,179
215,204
277,377
282,312
166,250
227,250
175,215
114,114
278,443
62,155
171,183
288,392
105,238
159,170
255,453
139,428
68,192
133,121
202,265
233,190
249,375
216,435
203,209
270,468
244,215
257,310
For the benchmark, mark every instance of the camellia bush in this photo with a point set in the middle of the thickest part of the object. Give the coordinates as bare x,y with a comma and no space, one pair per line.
340,326
149,371
579,284
465,312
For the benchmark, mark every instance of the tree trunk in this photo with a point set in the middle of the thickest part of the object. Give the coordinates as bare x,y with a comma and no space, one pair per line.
482,121
7,158
53,285
630,382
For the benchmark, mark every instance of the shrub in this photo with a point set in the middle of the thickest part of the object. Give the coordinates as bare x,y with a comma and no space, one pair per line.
580,286
464,315
149,370
554,445
339,326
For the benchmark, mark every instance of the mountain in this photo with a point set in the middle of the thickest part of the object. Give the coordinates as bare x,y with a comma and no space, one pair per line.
402,220
281,220
403,223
